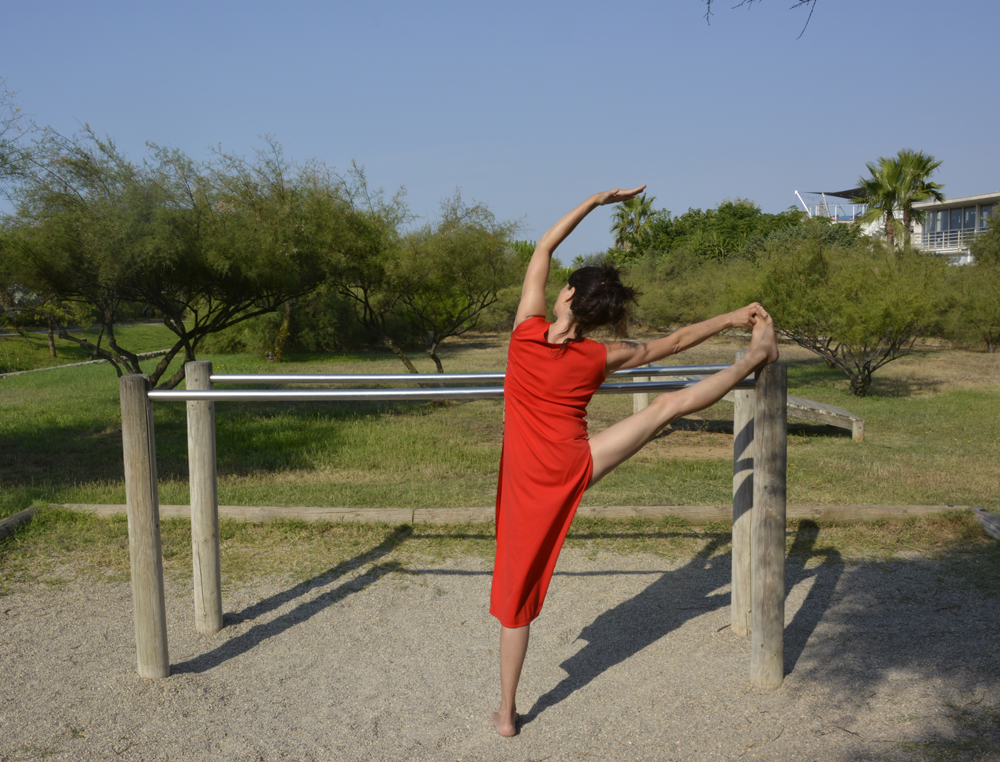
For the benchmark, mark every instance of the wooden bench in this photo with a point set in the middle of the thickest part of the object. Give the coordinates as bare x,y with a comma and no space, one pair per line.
799,407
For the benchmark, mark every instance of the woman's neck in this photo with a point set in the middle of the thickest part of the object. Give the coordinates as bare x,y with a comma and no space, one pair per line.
562,329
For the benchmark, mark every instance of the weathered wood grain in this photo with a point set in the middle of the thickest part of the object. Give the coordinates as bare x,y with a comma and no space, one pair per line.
990,521
12,523
767,637
142,501
693,514
640,401
204,502
743,419
453,515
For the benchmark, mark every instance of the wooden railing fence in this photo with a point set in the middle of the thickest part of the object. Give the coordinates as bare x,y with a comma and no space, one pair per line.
759,468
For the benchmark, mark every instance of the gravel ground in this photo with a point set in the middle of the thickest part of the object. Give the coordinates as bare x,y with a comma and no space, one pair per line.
632,659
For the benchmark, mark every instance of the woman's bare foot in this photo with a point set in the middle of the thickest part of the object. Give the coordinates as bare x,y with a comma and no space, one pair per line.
763,345
505,723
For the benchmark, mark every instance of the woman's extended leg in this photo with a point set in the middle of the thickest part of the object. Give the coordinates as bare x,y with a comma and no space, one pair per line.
513,647
618,443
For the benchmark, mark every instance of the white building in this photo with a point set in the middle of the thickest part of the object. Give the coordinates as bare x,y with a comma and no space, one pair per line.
948,228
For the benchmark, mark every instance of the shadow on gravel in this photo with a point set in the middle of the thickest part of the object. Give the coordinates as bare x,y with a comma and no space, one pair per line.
305,610
625,630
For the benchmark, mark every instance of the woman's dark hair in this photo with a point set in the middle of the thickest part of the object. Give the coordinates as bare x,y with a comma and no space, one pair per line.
600,298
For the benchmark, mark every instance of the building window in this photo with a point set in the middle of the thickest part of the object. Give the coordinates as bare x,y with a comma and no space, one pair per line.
970,218
985,213
931,222
955,223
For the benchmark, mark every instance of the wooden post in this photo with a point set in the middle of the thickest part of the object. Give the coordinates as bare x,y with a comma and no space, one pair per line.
143,505
640,400
767,669
204,502
743,415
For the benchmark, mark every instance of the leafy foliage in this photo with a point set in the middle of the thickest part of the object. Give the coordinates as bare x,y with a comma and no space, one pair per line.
204,247
858,307
974,317
631,223
897,183
719,233
678,287
453,269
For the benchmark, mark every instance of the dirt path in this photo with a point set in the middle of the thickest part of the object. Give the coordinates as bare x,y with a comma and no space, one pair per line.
395,659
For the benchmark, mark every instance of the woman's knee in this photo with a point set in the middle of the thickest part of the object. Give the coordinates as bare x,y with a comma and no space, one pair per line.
666,408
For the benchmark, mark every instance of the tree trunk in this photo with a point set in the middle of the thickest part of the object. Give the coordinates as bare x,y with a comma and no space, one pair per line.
281,340
861,382
432,351
52,342
396,350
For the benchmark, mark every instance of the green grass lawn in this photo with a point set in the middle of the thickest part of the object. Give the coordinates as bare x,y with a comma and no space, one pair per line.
32,351
932,437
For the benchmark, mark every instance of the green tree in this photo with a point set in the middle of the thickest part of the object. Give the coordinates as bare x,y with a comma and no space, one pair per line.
14,128
677,287
894,185
630,225
718,233
364,272
975,316
204,247
454,269
858,307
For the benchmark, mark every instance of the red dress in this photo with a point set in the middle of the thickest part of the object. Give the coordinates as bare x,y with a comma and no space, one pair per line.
545,464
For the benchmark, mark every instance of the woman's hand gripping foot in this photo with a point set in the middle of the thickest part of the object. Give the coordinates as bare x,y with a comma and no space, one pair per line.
763,345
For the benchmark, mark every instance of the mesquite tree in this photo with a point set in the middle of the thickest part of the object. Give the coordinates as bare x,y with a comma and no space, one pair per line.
858,307
455,268
202,246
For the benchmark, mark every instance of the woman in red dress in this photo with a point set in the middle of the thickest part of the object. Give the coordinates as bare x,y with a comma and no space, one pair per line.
548,461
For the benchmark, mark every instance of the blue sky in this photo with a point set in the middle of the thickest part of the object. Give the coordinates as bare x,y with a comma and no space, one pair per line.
530,107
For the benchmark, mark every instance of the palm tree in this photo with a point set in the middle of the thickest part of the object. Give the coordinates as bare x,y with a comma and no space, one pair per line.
917,167
895,185
630,220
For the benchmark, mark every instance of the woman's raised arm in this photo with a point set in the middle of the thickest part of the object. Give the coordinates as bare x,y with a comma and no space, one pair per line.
533,291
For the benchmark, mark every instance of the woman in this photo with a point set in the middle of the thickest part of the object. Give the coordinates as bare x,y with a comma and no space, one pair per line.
548,461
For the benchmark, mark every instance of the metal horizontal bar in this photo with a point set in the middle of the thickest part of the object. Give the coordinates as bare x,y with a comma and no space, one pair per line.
399,395
436,378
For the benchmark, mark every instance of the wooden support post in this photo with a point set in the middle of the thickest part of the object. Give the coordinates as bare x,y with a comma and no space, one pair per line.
143,506
204,502
767,669
743,416
640,400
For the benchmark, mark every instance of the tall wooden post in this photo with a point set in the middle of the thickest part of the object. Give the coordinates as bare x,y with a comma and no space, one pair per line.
204,502
143,505
767,669
640,400
743,417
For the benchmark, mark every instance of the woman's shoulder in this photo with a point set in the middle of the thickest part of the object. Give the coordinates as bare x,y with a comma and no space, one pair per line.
531,320
529,324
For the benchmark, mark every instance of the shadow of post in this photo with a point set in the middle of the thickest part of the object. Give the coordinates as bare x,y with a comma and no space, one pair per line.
305,610
629,627
827,575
